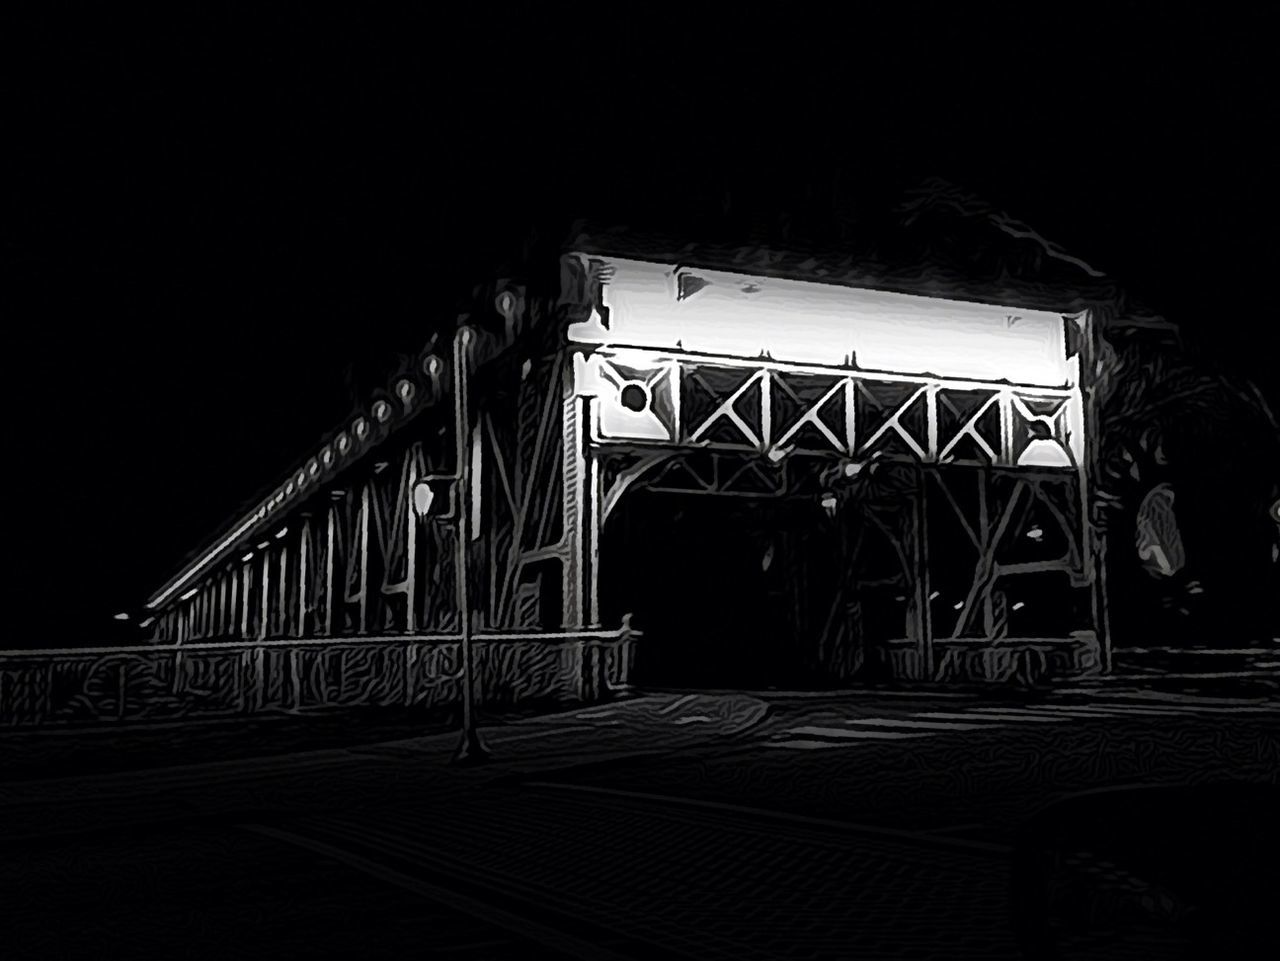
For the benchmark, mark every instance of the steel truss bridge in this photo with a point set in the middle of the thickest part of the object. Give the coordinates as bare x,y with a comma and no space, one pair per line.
993,453
559,435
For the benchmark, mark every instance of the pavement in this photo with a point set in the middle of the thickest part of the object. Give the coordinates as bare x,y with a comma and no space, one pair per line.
581,738
728,825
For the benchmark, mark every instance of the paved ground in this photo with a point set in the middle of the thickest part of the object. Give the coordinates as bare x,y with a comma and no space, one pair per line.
222,892
836,826
964,767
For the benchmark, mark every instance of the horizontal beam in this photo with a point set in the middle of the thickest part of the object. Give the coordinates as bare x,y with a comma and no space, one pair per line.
1033,567
866,424
653,355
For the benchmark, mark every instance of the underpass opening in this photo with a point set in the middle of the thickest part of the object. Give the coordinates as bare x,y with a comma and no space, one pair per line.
751,592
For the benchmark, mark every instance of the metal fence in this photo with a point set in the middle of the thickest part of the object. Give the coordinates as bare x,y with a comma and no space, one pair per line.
121,685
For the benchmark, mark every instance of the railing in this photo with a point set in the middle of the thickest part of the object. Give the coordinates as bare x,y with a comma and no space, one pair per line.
119,685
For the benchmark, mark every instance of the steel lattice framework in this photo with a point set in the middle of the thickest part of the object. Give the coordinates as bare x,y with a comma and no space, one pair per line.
681,400
565,429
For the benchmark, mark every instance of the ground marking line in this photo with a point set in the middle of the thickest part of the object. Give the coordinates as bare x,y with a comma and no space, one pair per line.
846,734
1004,716
939,726
845,827
520,926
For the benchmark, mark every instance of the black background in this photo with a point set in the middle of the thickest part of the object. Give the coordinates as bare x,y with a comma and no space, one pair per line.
227,225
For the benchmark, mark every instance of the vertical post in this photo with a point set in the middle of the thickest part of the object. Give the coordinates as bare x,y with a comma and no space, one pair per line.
924,607
984,529
471,748
1095,546
122,688
303,574
1005,404
264,608
931,423
282,591
364,560
411,557
850,416
224,604
246,594
233,601
766,410
590,521
328,573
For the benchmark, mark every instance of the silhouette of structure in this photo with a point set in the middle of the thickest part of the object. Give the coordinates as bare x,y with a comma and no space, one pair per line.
913,442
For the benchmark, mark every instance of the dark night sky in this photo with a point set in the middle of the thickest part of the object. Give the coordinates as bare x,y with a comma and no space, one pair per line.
223,220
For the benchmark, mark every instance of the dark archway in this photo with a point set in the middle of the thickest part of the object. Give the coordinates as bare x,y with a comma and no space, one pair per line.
707,580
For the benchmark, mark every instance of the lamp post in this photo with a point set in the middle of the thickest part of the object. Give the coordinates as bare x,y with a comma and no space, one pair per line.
471,747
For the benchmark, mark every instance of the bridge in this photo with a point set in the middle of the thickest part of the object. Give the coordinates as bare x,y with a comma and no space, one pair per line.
945,443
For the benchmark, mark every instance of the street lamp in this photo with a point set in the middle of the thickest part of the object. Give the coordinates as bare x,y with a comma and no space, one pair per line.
471,747
441,497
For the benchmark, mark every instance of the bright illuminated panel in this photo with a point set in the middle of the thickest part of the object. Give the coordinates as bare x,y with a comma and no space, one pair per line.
708,311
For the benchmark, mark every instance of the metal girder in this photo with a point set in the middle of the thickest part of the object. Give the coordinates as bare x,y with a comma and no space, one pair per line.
712,472
989,532
673,400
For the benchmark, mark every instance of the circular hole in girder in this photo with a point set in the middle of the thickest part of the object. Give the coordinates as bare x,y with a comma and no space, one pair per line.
634,397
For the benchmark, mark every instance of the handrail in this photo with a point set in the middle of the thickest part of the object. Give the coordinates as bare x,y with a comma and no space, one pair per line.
491,637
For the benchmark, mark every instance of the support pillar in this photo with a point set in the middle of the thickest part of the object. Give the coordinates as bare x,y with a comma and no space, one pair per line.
304,588
362,625
924,604
264,597
330,535
581,517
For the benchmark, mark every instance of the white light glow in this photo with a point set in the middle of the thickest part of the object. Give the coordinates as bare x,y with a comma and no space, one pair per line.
187,596
935,595
121,617
247,557
1044,453
281,532
813,323
148,622
1019,606
423,496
